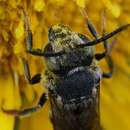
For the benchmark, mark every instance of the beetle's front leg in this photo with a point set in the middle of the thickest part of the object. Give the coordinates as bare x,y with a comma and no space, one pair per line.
29,111
108,48
30,37
36,52
35,79
111,68
93,31
29,32
91,27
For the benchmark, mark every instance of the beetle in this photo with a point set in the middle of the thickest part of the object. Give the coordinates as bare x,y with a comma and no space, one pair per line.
72,78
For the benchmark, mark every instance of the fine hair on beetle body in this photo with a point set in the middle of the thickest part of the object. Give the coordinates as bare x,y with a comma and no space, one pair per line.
72,77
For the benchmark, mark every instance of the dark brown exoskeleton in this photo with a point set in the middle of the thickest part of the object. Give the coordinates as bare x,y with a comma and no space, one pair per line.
72,76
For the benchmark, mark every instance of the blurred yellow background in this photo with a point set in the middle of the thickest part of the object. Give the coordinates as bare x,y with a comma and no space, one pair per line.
16,93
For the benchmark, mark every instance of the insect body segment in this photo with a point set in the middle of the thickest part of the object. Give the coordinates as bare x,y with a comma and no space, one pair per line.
77,86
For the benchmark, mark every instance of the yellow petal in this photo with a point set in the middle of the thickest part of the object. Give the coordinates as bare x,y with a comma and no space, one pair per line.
80,3
19,31
39,5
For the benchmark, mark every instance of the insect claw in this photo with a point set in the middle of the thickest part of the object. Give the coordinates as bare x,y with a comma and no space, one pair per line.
11,112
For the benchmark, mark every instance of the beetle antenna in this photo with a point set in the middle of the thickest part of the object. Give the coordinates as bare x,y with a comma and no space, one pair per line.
91,43
94,42
45,54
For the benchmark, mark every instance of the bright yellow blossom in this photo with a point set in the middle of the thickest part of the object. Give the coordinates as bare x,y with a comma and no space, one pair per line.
17,94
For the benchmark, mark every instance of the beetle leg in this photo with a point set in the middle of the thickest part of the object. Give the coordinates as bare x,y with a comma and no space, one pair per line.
107,48
107,52
91,27
111,68
29,35
37,52
35,79
29,111
95,34
100,56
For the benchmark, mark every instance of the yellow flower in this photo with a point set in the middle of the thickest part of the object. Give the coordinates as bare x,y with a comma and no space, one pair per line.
17,94
80,3
39,5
